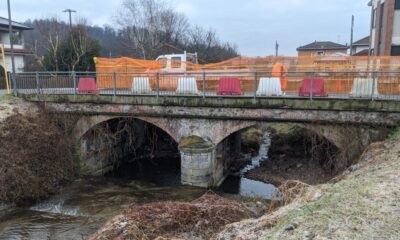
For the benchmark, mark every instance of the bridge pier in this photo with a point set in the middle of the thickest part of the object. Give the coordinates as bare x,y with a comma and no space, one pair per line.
199,165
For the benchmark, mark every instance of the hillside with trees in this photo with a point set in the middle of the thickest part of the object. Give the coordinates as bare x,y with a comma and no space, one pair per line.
143,29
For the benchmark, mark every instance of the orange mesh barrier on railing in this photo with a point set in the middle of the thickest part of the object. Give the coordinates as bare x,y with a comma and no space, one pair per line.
338,72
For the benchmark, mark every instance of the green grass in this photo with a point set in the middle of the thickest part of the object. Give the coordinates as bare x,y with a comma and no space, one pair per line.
283,128
395,134
252,134
6,98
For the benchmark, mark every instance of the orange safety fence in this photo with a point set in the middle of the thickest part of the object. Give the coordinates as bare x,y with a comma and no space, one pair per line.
338,72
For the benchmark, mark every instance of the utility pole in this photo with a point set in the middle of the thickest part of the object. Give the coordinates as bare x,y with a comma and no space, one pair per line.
276,48
70,11
351,35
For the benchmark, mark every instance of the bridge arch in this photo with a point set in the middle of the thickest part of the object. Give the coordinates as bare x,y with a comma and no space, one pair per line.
107,142
178,129
85,123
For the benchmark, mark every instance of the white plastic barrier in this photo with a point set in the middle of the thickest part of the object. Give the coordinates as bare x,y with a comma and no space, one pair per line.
187,85
362,87
141,85
269,87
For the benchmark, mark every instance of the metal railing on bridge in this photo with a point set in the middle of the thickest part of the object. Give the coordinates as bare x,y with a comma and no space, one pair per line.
371,85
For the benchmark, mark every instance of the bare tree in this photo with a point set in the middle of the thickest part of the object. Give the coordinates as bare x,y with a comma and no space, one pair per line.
77,45
208,46
149,25
48,39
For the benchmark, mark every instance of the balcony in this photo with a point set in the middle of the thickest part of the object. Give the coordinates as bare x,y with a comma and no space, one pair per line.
16,46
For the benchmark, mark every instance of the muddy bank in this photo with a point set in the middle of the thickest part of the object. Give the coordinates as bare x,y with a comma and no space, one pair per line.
199,219
361,203
35,153
297,154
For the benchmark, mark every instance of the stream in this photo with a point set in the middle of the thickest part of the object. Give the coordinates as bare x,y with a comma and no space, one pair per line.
85,205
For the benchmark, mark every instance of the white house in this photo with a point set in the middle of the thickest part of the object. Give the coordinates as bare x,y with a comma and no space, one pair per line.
361,47
19,46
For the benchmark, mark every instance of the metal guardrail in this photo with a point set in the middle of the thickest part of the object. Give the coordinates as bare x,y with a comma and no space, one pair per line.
337,84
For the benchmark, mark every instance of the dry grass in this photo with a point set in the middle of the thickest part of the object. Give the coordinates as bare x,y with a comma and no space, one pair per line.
199,219
364,203
35,157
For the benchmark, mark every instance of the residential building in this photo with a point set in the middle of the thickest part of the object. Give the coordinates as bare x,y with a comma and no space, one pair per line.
19,46
361,47
385,27
325,48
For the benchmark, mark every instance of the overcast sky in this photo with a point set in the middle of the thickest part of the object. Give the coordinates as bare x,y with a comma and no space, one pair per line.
254,25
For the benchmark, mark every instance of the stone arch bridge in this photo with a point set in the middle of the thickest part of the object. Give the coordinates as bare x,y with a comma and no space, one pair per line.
349,124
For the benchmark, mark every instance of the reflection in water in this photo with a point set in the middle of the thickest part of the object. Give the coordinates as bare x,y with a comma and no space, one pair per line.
249,188
81,208
261,156
159,171
84,206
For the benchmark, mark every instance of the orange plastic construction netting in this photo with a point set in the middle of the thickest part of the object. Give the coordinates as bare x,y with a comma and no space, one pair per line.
337,71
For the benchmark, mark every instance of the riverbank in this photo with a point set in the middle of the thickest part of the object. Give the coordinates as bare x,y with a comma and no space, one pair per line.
361,203
9,105
35,153
296,154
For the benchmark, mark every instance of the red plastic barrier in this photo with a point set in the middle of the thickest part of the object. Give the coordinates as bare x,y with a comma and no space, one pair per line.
318,88
229,86
87,85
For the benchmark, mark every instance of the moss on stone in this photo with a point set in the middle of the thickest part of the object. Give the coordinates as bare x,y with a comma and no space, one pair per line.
7,98
271,103
195,144
192,140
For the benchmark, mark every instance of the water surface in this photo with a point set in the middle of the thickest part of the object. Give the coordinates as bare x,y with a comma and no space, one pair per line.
85,205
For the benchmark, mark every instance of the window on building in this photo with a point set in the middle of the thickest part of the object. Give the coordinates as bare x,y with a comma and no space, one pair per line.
395,51
321,53
397,4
